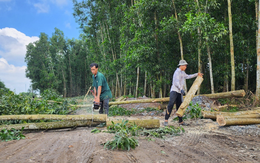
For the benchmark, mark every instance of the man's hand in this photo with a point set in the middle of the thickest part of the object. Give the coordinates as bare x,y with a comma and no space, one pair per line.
97,99
182,92
200,74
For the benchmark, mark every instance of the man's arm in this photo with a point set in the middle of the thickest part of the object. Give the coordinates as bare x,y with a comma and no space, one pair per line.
186,76
97,99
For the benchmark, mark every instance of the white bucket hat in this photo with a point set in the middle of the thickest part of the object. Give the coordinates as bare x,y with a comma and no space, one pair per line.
182,62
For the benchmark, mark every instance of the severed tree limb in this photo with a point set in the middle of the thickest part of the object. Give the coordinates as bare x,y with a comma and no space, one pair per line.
213,115
195,86
94,117
226,121
50,125
239,93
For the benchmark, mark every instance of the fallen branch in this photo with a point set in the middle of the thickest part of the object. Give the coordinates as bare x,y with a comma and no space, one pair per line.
50,125
238,93
224,121
94,117
196,84
213,115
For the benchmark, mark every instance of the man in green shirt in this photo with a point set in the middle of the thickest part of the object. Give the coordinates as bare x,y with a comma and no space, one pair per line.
102,91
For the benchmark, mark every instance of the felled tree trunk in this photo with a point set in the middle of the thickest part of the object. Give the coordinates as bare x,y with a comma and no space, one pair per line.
50,125
94,117
238,93
213,115
150,123
224,121
195,86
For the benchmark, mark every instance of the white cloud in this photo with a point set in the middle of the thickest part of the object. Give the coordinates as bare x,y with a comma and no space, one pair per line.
12,53
14,77
60,2
13,45
68,25
42,7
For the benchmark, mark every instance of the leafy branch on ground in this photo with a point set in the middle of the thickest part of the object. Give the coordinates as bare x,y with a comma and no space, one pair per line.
15,104
125,134
13,134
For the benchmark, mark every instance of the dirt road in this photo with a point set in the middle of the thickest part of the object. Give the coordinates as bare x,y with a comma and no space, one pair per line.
202,142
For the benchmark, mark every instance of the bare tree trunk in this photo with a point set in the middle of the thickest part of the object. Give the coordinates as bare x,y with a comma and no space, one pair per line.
64,85
130,88
137,81
145,79
210,70
258,57
160,94
199,47
199,56
233,80
70,78
179,34
125,86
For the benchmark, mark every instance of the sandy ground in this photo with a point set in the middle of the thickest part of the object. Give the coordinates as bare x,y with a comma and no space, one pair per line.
203,141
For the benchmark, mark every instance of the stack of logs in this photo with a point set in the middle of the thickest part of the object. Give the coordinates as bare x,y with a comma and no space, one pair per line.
234,118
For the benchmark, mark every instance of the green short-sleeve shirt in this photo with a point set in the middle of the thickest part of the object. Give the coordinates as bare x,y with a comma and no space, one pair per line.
100,80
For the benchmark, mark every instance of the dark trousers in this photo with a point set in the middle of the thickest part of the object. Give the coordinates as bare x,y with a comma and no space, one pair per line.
174,98
105,105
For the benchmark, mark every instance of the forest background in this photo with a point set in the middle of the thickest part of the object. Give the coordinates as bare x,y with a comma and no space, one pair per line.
138,44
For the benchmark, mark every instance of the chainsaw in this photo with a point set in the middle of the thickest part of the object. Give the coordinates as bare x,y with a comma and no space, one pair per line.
96,106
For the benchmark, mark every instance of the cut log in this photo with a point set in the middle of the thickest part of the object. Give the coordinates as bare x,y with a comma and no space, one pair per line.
213,115
50,125
150,123
223,121
195,86
94,117
239,93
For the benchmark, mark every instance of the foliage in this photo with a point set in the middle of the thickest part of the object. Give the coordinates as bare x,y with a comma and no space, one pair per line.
95,130
119,111
163,131
124,133
50,94
123,136
13,134
194,111
13,104
123,35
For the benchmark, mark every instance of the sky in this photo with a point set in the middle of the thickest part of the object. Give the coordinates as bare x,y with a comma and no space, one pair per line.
21,22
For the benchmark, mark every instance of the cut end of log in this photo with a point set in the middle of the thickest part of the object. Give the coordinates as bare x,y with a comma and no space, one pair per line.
180,113
221,120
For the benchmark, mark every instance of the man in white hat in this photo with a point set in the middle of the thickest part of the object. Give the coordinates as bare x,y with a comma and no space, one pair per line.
177,90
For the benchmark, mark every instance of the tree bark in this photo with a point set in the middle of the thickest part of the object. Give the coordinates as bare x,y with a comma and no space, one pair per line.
231,47
223,121
210,70
147,123
213,115
137,81
195,86
94,117
239,93
145,81
49,125
258,57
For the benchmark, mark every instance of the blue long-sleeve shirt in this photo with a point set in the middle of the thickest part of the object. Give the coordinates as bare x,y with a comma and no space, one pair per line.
178,79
